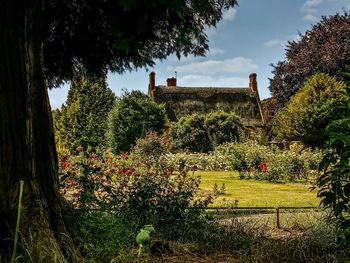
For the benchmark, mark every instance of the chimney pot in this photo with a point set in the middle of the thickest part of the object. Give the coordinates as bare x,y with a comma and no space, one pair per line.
171,82
152,83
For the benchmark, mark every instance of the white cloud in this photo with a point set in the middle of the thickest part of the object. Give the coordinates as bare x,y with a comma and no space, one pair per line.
282,42
310,6
276,42
211,32
216,51
310,17
209,81
232,65
229,14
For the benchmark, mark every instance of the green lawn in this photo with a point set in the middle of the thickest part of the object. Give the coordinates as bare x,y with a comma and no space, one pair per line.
256,193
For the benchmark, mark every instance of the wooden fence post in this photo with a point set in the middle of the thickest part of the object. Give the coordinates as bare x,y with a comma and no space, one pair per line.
278,217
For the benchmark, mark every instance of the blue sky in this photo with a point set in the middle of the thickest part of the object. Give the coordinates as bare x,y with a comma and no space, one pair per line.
248,39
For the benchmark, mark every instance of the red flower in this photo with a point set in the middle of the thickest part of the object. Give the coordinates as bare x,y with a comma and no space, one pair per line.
130,171
67,164
263,167
123,171
124,155
80,149
74,183
90,156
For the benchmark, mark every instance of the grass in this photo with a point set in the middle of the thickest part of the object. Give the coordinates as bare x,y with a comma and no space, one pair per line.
256,193
304,237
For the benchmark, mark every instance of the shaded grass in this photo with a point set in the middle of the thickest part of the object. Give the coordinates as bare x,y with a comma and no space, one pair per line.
104,236
256,193
305,237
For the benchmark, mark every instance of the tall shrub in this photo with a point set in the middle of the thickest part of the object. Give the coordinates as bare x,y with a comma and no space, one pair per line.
189,134
201,133
132,117
223,127
310,111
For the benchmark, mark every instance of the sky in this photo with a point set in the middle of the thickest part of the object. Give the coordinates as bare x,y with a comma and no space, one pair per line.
248,39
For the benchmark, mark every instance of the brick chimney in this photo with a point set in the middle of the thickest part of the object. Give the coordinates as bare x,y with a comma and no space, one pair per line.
152,84
171,82
253,84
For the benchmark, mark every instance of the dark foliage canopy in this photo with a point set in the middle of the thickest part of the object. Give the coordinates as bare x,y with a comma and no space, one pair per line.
101,35
325,48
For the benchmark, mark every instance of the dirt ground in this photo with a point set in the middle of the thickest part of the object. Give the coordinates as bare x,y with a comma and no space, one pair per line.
181,253
225,258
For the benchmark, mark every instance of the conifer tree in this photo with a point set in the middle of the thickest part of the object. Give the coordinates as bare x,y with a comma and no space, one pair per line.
83,120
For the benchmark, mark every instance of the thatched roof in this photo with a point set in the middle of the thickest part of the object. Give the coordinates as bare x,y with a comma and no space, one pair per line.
180,101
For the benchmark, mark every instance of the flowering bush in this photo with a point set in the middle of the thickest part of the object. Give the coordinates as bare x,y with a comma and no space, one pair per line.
244,156
149,150
106,181
253,161
197,161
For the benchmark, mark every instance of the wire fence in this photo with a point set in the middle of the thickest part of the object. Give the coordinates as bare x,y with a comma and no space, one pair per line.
246,210
236,210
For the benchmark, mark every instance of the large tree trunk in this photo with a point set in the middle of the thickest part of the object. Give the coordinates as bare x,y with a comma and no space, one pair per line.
27,148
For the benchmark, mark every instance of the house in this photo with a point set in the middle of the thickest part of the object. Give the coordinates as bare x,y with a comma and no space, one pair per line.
180,101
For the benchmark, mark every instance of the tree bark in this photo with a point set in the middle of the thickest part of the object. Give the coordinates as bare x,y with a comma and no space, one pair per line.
27,147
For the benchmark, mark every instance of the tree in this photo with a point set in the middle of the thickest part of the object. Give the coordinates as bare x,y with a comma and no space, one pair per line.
189,134
134,114
310,111
223,127
203,132
49,41
325,48
82,122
